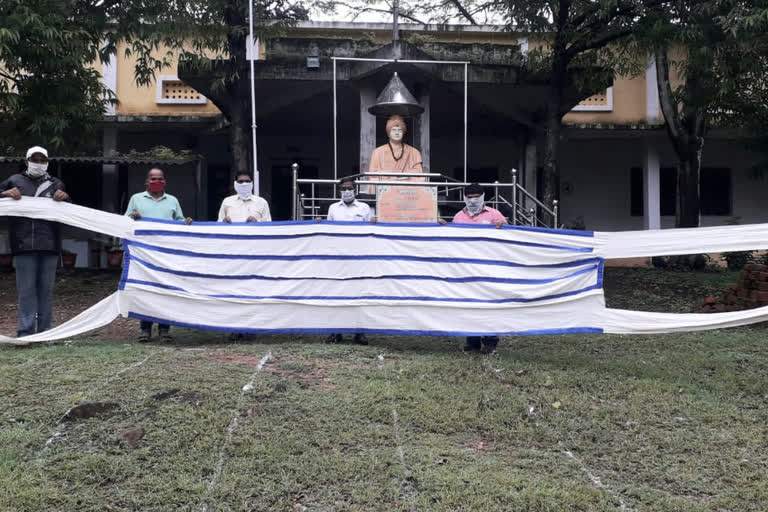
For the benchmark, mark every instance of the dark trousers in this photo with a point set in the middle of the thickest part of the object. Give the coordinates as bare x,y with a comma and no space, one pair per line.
490,341
35,274
147,326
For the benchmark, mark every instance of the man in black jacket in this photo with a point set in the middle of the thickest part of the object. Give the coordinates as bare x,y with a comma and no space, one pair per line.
36,244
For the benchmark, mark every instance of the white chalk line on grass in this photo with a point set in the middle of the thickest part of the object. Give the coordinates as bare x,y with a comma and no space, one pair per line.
497,372
409,491
60,427
25,363
230,432
596,480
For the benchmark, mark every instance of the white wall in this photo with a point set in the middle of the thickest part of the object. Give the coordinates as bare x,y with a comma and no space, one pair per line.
598,171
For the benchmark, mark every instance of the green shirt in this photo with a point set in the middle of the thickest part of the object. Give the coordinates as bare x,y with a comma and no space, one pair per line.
166,207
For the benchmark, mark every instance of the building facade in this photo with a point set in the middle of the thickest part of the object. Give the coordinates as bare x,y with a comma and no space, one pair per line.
617,166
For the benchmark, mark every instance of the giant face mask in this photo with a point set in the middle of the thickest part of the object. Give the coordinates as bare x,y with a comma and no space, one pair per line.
430,280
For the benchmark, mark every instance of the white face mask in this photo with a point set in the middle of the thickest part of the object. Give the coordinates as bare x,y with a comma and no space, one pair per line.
347,196
37,170
475,204
244,190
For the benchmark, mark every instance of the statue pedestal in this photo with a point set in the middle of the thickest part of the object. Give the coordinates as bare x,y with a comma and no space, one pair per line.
398,203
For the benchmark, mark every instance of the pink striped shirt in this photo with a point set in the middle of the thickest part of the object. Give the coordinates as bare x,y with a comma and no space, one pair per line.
487,216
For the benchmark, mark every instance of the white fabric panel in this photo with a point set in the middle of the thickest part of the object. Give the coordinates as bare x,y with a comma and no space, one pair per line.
67,213
458,244
623,321
229,315
365,291
579,310
98,315
666,242
340,269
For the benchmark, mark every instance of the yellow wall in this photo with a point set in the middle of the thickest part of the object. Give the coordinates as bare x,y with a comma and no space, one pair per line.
135,100
629,103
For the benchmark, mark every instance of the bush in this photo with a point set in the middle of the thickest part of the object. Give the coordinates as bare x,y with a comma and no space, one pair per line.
737,259
682,262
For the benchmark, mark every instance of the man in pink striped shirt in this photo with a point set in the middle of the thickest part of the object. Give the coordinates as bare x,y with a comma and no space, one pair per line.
475,212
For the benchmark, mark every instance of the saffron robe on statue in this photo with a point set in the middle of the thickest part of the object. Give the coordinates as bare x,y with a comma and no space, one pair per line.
383,160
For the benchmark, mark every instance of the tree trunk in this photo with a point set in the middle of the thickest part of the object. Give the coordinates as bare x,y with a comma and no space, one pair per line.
686,125
550,182
239,140
688,184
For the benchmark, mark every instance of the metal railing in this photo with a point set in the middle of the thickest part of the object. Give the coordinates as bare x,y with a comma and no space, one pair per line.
311,195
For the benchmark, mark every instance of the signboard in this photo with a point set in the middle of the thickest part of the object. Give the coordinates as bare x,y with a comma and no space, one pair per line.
398,203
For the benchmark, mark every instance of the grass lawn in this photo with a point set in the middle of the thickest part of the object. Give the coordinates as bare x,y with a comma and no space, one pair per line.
581,422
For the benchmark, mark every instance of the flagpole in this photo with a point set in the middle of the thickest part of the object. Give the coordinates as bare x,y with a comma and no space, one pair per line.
252,44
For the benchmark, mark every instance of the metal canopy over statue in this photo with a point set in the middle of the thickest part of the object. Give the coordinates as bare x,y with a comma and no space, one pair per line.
398,203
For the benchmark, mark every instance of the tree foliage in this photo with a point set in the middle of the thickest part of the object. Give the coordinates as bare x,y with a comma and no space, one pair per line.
709,75
51,53
210,39
50,92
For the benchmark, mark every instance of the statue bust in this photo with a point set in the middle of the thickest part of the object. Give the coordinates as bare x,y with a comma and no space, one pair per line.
395,155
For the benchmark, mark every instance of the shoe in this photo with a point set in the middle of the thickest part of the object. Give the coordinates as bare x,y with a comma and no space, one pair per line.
165,336
144,336
488,348
472,345
361,339
334,338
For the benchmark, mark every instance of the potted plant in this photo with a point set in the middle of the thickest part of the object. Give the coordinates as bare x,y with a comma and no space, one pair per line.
115,254
6,258
68,259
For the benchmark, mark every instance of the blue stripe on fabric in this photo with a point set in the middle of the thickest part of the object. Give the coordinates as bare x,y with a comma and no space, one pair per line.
569,232
600,272
234,236
346,257
393,298
126,266
473,279
158,285
347,330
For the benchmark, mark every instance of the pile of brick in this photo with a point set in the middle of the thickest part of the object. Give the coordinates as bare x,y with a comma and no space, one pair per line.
750,292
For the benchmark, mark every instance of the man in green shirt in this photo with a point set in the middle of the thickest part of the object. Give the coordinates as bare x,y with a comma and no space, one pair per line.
154,203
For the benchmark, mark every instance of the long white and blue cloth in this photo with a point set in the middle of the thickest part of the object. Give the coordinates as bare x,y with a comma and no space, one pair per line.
412,279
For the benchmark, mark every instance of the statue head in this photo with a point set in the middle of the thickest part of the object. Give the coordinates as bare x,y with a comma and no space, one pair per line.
395,128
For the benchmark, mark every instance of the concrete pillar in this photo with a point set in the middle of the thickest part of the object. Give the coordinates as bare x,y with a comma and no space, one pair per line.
110,198
367,127
531,168
652,111
422,132
651,188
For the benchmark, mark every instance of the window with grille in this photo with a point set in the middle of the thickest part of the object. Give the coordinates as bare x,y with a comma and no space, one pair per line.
600,102
171,90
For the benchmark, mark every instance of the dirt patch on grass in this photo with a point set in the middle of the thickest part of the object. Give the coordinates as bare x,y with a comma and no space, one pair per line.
74,292
481,446
308,373
232,358
315,377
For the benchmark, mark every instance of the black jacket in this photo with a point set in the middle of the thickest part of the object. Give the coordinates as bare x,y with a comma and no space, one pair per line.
30,234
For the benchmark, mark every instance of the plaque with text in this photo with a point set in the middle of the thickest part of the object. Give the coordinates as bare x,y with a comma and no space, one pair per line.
397,203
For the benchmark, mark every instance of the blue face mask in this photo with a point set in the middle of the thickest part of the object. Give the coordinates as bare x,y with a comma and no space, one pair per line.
347,196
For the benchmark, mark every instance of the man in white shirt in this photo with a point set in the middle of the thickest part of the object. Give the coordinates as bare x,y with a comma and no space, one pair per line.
244,206
349,209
